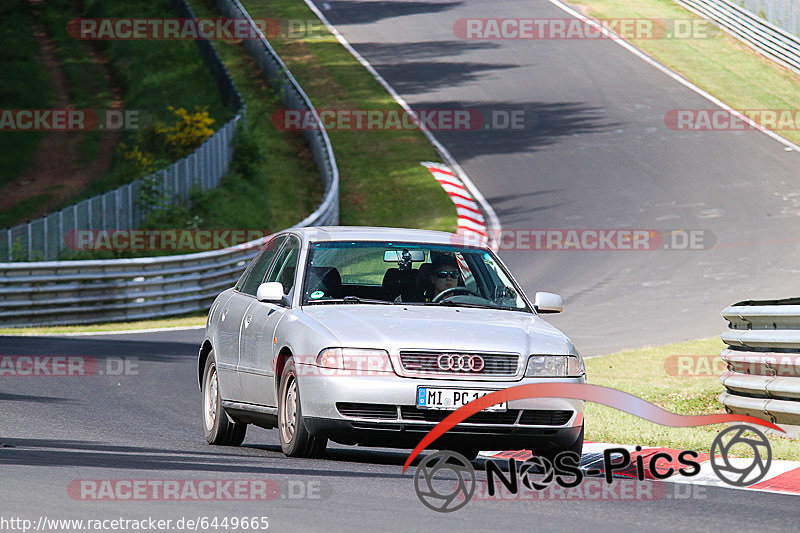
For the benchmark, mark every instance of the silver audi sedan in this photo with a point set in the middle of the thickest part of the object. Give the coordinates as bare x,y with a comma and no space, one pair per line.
371,336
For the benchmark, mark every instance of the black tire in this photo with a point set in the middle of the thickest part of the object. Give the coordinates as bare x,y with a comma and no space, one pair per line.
552,453
469,453
220,429
295,439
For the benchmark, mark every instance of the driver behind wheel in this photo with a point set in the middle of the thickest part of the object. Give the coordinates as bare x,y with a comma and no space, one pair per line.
444,274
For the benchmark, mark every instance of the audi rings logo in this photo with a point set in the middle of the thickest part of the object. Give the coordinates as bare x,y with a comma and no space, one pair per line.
460,363
740,472
433,481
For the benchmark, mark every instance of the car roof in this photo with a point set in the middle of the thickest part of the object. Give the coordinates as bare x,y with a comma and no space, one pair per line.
368,233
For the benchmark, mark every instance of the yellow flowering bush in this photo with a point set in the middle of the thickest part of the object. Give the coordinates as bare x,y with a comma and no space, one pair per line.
144,161
189,131
159,144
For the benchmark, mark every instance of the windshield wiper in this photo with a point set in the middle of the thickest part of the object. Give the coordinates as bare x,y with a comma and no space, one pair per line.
459,304
351,300
451,303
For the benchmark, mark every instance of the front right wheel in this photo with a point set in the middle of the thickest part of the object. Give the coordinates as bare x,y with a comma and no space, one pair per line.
295,439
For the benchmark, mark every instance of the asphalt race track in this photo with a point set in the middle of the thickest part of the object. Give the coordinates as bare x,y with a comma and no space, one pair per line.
596,154
147,425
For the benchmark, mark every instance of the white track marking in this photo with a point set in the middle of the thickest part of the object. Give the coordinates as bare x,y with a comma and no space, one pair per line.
493,222
675,76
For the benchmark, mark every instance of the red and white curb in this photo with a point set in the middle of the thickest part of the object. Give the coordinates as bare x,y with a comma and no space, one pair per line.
783,476
471,223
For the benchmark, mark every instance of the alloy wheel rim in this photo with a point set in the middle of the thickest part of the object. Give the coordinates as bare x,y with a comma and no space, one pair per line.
211,398
289,411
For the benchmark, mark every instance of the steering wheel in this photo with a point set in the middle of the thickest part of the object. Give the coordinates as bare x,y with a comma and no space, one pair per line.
452,291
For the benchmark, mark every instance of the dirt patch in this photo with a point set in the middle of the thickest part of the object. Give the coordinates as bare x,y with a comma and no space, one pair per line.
56,171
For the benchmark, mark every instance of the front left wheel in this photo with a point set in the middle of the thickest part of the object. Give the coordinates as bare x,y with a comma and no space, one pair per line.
220,429
470,454
551,453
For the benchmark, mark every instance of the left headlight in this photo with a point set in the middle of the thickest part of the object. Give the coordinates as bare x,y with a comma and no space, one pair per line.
554,366
354,359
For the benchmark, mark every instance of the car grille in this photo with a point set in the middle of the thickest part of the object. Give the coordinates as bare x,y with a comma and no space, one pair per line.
543,417
420,362
527,417
368,410
427,415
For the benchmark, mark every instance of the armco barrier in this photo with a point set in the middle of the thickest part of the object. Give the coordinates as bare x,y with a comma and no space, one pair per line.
43,238
778,40
293,97
76,292
763,357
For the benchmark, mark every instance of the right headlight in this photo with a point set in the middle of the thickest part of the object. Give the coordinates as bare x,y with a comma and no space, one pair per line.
355,359
554,366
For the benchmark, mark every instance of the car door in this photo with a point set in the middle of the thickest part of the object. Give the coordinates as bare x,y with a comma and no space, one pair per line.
257,348
226,349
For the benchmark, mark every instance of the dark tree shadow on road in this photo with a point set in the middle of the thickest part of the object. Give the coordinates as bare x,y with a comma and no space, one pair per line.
98,348
356,12
5,397
250,460
522,128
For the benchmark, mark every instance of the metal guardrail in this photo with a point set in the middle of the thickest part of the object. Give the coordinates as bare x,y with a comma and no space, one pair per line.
777,39
76,292
45,239
782,13
763,357
275,71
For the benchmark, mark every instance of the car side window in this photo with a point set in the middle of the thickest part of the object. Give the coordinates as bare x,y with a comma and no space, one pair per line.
258,270
285,266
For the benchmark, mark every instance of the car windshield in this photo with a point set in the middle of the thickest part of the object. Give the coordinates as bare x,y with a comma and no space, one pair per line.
386,273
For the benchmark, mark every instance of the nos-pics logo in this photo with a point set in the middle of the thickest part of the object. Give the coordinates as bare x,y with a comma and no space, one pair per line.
446,481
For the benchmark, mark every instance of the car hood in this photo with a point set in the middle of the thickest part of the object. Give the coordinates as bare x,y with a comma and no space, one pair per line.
396,327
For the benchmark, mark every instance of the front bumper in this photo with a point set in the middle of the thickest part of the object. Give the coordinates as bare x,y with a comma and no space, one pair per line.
389,416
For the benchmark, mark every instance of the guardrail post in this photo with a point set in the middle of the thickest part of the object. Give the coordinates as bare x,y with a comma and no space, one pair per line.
44,237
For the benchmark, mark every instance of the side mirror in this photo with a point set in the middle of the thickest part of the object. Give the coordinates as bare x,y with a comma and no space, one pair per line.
547,302
270,292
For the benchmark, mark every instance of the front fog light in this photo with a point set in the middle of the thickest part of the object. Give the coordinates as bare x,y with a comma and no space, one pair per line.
554,366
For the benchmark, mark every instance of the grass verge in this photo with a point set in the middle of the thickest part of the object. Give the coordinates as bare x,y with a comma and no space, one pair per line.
88,87
382,183
272,182
153,75
25,85
194,319
718,64
645,373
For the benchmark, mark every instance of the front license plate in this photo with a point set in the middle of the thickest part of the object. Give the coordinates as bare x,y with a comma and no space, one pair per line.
451,399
